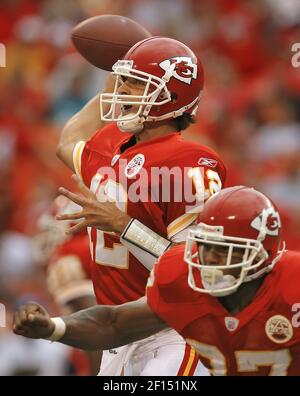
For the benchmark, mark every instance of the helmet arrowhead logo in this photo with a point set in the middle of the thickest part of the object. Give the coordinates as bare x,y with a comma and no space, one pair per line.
273,222
180,67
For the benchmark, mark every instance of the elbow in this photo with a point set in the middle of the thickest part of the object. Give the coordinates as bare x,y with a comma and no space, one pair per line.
63,142
63,154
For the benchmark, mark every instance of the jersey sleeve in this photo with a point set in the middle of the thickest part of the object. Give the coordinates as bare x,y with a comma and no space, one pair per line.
167,291
87,155
68,273
153,291
85,162
77,157
200,175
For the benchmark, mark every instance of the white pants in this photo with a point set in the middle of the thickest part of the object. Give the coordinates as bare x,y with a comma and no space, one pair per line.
163,354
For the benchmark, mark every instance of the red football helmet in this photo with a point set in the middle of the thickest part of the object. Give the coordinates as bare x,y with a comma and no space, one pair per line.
243,225
172,77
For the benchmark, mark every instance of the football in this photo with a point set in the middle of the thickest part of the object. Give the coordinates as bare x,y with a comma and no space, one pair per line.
104,39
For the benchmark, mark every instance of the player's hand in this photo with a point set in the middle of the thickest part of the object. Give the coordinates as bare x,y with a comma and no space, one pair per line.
100,212
33,321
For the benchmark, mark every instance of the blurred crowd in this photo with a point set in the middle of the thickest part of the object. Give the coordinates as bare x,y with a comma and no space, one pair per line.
249,112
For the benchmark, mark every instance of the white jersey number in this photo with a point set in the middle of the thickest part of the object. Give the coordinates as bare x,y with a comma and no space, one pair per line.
246,361
118,255
214,183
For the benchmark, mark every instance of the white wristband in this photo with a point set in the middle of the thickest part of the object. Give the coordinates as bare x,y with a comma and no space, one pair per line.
59,329
144,238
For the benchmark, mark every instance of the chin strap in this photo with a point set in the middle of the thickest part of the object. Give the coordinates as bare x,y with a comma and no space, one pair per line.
177,113
135,125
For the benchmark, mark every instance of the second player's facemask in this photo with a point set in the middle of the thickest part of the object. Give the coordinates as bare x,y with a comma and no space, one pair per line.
224,262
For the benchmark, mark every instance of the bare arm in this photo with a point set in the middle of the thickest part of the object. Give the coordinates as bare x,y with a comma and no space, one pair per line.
82,126
94,356
111,326
101,327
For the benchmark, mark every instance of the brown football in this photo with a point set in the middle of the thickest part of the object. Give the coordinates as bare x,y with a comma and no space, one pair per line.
104,39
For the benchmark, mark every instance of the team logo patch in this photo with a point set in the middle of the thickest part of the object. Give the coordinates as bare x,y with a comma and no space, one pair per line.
208,162
273,222
134,166
279,329
180,67
231,323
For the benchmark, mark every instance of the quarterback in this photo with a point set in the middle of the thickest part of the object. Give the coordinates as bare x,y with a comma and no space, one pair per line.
133,211
231,292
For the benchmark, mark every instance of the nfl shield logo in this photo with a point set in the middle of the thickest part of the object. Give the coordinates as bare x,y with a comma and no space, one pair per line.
231,323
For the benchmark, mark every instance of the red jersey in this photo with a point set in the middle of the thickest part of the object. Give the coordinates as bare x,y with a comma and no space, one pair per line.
69,270
262,339
126,173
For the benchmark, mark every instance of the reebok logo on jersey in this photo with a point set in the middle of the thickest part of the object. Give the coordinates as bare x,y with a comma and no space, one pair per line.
212,163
